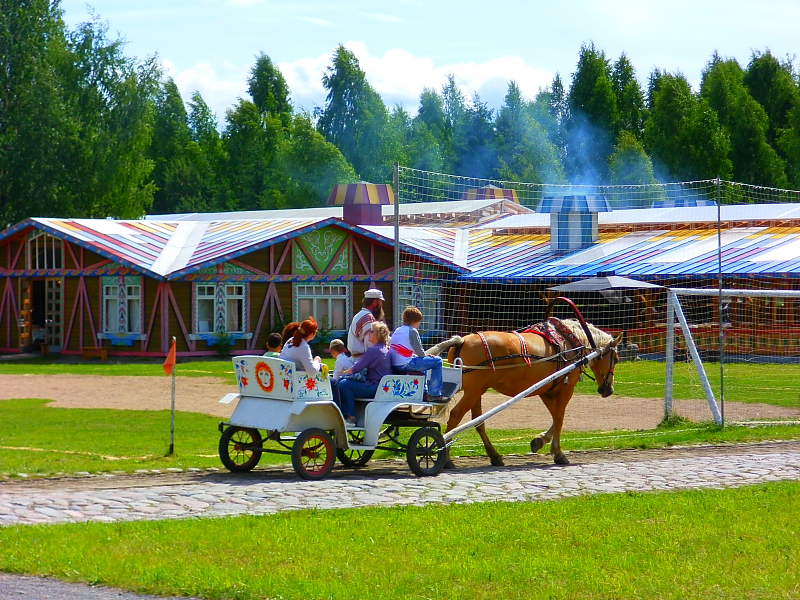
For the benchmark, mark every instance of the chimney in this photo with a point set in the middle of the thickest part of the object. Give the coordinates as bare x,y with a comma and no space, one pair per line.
362,202
573,217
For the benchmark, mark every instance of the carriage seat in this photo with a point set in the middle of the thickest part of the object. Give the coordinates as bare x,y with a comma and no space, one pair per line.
398,388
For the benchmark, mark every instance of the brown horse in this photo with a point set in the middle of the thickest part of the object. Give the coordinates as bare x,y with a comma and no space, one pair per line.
513,375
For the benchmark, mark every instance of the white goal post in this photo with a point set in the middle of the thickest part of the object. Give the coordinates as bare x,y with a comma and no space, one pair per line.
675,311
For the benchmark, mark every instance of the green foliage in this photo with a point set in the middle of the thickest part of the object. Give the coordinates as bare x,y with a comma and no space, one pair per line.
355,118
754,160
593,118
630,99
683,135
268,89
629,164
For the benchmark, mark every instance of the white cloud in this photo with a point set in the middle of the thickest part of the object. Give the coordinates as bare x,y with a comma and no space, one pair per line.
316,21
398,76
220,85
383,17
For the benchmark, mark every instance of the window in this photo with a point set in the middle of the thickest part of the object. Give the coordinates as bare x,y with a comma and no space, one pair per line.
220,307
328,304
426,298
206,296
45,251
122,304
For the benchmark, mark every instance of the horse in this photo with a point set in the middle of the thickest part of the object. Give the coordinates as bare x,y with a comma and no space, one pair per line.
518,366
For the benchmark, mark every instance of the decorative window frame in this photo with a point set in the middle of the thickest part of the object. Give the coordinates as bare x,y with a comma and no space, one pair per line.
220,296
297,293
116,327
37,240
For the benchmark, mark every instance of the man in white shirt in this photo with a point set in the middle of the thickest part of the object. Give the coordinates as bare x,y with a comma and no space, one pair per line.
372,310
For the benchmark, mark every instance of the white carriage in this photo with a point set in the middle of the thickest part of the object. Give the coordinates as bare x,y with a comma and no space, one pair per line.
277,399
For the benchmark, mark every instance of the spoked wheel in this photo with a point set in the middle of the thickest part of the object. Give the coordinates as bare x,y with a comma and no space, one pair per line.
354,458
240,448
426,452
313,454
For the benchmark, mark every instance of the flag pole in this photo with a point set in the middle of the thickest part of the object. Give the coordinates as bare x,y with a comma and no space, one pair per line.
172,419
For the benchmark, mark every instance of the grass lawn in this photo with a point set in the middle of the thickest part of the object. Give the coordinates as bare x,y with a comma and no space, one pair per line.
767,383
39,439
715,544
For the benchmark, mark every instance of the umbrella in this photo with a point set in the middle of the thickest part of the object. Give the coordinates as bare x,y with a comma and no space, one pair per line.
597,284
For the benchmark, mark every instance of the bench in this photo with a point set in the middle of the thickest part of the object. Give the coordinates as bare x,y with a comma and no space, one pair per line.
94,352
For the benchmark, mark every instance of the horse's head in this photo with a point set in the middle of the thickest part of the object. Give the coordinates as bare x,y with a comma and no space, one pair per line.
603,367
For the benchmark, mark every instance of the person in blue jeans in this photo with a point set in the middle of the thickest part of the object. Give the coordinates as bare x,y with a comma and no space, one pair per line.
407,354
376,362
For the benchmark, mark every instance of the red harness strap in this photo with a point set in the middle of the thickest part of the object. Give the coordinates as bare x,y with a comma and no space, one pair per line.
523,348
487,350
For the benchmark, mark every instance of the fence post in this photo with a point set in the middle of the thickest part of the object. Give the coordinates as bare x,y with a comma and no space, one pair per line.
719,300
670,356
396,280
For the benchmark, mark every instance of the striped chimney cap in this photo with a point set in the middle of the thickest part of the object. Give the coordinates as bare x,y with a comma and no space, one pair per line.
362,192
491,192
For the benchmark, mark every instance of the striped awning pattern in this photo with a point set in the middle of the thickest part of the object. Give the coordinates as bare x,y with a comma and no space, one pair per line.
573,203
361,193
490,192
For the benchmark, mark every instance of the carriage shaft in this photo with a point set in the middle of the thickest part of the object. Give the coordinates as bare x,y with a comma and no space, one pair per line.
501,407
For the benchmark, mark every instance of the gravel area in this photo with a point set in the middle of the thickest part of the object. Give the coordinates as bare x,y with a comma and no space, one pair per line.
201,394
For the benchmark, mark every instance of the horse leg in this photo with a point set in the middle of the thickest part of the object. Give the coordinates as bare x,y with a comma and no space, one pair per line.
557,404
540,440
493,455
457,413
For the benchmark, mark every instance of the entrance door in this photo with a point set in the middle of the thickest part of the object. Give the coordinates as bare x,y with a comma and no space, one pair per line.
47,314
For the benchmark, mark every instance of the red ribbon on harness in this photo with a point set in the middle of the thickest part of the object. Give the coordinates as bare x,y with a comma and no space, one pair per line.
487,350
523,348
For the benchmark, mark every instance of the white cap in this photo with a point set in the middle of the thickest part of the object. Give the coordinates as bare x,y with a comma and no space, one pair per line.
374,293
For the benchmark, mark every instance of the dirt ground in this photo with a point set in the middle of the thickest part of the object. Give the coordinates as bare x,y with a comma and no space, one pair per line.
201,394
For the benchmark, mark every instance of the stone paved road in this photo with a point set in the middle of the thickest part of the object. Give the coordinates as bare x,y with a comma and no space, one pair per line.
21,587
389,483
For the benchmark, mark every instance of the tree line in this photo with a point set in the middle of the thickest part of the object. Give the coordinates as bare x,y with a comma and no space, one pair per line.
87,131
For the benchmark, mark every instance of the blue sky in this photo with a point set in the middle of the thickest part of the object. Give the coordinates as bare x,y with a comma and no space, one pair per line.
406,45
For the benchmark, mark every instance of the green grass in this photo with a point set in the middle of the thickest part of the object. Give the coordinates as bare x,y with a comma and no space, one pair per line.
39,439
220,368
767,383
714,544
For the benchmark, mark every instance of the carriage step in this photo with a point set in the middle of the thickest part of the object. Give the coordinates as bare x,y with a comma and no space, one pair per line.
353,428
357,447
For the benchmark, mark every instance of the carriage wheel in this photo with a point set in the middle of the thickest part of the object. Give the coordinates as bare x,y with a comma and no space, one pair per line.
426,452
354,458
313,454
240,448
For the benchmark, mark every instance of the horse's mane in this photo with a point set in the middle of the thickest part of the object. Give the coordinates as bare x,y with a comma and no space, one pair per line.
601,338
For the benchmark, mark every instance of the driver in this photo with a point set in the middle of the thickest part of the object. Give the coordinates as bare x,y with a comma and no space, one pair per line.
371,311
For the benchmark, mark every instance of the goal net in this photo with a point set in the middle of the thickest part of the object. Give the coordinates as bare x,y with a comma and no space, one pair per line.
485,254
736,348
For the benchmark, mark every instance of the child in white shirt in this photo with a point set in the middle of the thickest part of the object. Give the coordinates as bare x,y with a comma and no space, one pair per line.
343,360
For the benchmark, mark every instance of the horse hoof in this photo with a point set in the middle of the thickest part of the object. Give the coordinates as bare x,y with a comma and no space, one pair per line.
537,444
497,461
449,464
561,460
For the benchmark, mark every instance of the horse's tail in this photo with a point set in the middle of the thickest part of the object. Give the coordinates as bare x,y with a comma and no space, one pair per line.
454,344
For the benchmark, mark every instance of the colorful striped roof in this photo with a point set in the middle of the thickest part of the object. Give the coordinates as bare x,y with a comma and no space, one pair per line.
361,193
501,250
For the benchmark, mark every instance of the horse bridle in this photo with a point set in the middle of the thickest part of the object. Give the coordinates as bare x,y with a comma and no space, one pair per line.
610,372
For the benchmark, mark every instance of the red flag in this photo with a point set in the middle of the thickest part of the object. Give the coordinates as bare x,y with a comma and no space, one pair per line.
169,362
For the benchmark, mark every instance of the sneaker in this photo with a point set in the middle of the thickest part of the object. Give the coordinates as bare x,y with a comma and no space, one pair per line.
437,399
351,421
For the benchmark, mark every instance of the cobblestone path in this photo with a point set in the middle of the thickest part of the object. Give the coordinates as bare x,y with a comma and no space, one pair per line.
388,483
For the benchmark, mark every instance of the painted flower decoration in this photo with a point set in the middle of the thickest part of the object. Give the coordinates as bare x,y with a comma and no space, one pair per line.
286,384
416,382
386,388
311,384
244,381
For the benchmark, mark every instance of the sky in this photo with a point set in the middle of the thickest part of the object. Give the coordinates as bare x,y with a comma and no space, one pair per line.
407,45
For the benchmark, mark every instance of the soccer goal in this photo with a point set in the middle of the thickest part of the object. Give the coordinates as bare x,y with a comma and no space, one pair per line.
743,346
